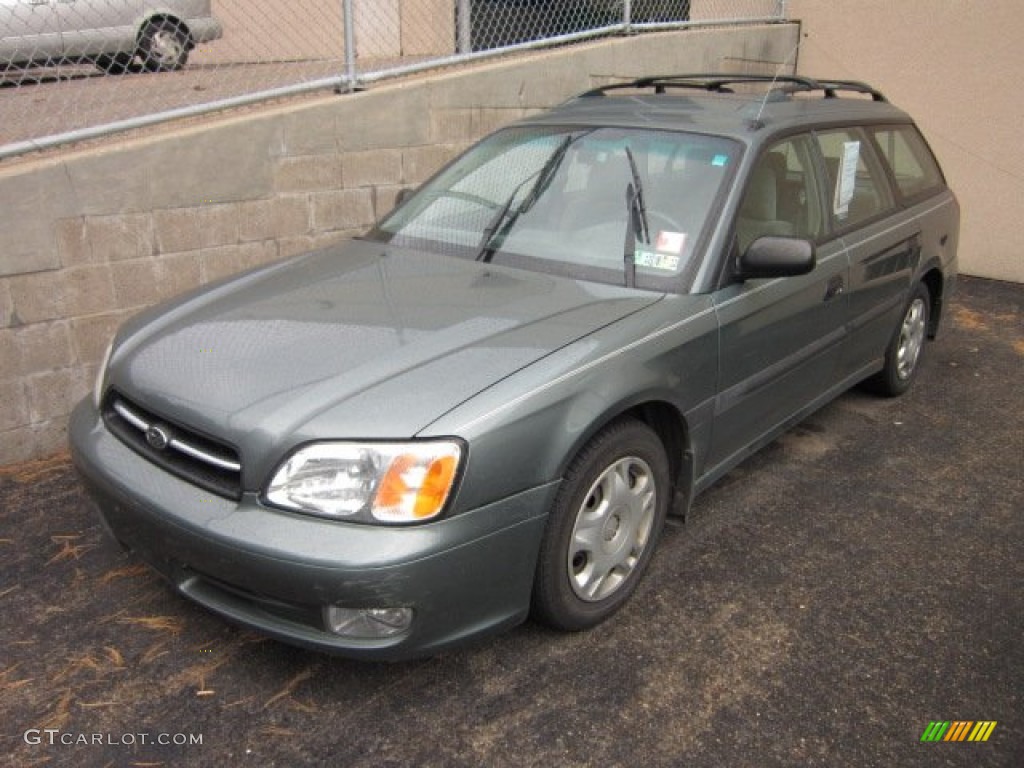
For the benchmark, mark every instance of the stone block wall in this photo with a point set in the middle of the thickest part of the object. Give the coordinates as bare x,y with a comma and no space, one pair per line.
95,235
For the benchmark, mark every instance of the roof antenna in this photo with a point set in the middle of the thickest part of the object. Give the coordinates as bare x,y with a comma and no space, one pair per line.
757,124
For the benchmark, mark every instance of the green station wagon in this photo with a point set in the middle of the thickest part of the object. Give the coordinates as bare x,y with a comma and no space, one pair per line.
484,408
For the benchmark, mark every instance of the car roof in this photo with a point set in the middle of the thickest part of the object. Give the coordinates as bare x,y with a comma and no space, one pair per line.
748,108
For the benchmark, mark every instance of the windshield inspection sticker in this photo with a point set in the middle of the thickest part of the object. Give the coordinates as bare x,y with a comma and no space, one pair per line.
666,252
644,257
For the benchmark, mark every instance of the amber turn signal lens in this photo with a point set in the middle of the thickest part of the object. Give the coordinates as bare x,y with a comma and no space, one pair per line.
434,491
416,485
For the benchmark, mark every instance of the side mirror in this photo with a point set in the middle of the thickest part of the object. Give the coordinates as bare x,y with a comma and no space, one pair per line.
772,256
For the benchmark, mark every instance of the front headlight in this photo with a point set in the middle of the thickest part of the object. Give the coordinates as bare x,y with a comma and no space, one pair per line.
368,482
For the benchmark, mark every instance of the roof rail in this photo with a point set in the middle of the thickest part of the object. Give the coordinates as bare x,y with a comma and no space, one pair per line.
722,83
856,86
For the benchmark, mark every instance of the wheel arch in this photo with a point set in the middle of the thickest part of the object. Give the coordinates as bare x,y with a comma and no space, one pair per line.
934,281
670,425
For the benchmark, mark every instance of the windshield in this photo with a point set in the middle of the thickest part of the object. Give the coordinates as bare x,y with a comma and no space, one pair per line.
622,206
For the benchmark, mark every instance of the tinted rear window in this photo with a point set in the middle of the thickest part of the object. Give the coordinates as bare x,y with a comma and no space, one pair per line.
911,161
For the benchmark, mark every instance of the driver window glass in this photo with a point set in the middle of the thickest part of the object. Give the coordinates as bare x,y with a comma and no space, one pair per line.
782,195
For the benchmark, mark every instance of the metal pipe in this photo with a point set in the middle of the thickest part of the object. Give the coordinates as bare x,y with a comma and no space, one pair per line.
422,66
143,121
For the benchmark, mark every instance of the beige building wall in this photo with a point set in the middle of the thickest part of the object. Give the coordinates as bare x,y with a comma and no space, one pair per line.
275,30
958,68
305,30
716,10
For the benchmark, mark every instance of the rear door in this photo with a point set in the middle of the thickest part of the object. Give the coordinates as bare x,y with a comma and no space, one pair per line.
884,246
29,31
780,339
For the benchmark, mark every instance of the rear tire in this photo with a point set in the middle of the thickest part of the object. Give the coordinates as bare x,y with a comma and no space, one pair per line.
163,46
603,527
903,355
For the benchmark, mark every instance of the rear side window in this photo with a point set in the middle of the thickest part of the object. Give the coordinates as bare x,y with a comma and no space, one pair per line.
857,188
910,160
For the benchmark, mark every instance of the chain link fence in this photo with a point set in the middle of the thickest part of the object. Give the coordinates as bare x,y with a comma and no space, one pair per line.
78,69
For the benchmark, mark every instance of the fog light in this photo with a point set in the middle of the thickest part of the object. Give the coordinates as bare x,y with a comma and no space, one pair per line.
367,623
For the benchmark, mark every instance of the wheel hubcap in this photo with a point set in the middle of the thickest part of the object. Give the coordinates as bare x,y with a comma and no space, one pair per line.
166,47
912,335
613,527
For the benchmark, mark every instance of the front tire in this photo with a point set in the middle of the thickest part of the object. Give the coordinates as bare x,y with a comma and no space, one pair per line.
603,527
903,355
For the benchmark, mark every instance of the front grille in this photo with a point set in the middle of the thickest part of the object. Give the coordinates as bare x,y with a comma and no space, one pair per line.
200,460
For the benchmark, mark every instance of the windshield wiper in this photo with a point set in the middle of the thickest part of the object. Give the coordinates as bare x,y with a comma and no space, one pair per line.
633,225
547,172
500,224
639,204
486,247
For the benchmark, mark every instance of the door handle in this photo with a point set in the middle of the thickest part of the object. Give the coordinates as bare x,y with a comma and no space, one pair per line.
835,287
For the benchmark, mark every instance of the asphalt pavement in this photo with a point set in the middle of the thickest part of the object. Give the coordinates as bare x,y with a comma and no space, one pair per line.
857,580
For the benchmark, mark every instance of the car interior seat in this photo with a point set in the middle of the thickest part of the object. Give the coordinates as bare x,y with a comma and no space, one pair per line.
759,214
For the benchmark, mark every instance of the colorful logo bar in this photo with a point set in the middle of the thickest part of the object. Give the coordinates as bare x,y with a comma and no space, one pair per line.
958,730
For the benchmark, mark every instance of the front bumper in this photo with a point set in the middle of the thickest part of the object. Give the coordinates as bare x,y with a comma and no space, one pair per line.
273,570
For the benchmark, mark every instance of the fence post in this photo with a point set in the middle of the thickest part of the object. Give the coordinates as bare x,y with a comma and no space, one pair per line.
627,16
350,44
464,30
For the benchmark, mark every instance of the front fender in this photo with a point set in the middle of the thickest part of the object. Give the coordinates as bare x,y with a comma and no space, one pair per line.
523,431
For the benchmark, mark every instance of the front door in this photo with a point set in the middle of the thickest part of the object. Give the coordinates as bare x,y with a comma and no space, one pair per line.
779,339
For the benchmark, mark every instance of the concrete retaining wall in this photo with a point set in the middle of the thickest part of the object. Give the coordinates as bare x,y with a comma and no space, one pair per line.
93,236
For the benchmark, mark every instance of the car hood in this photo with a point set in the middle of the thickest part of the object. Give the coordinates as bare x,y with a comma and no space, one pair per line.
361,341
